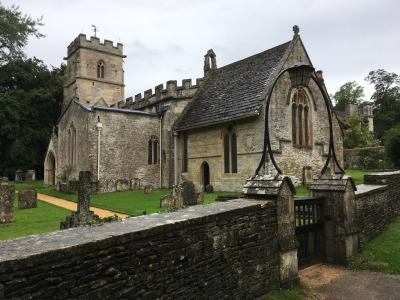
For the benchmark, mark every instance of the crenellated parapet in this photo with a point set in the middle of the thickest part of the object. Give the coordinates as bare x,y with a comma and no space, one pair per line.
171,91
95,44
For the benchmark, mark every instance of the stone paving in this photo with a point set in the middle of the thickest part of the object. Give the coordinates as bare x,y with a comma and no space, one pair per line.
102,213
327,282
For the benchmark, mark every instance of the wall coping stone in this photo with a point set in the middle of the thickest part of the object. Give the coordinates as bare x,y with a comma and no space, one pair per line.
35,246
364,189
384,173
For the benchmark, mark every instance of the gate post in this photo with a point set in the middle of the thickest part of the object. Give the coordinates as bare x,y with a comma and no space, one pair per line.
279,189
341,232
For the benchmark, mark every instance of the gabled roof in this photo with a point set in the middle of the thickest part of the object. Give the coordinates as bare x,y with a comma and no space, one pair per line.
234,91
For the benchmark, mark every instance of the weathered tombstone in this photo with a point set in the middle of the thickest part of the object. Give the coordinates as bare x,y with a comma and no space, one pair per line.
188,193
83,215
6,203
122,185
27,199
148,189
168,201
30,175
135,184
19,176
209,188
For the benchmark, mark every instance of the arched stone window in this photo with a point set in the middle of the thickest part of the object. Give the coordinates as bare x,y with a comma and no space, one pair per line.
153,151
71,145
100,69
230,152
301,118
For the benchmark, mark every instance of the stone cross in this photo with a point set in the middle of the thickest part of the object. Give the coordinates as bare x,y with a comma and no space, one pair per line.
84,192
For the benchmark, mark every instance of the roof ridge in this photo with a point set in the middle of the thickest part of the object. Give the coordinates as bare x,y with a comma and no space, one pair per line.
254,55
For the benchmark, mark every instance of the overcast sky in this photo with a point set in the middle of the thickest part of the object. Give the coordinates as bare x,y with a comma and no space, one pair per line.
166,39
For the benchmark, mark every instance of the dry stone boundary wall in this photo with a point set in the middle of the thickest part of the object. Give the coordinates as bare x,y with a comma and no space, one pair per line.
223,250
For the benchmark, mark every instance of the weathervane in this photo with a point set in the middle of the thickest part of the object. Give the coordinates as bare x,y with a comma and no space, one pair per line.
95,29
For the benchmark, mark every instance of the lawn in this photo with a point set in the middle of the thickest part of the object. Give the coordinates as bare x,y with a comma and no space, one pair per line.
381,254
130,202
44,218
357,175
296,292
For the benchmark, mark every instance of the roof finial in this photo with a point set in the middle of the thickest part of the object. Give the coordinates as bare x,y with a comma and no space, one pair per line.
296,30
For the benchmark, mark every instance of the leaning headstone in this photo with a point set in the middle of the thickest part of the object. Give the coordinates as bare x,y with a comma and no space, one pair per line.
30,175
19,175
148,189
27,199
188,193
6,203
83,215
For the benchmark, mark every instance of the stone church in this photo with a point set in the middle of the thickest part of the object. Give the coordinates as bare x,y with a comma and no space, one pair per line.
210,131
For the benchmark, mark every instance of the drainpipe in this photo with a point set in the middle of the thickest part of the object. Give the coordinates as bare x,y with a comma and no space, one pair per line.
160,156
175,158
99,126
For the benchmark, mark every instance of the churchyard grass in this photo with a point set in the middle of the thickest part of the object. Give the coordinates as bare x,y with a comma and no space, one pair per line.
357,175
381,254
296,292
133,203
44,218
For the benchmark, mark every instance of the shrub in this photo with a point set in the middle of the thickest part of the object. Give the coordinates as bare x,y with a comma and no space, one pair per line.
392,145
371,159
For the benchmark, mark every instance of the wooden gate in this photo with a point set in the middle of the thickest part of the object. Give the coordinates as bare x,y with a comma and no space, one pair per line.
310,230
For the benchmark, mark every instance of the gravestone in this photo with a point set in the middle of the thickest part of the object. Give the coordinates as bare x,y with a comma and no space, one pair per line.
188,193
184,194
83,215
148,189
30,175
122,185
19,176
27,199
6,203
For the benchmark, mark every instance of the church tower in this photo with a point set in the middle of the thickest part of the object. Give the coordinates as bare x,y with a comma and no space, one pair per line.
94,72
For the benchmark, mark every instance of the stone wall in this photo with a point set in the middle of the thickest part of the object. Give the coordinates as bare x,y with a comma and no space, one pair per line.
378,203
353,157
373,210
223,250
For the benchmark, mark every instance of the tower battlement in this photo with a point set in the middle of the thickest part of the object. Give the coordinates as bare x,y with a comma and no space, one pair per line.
172,90
94,43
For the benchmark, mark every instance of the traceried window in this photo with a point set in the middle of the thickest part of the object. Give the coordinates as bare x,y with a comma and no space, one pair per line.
152,151
71,145
230,153
185,157
100,69
301,126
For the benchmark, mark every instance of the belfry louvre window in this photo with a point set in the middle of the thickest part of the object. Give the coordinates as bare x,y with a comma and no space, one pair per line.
153,151
230,153
300,110
185,158
100,69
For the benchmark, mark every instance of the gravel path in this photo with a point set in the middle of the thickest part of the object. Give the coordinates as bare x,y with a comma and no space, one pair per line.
328,282
102,213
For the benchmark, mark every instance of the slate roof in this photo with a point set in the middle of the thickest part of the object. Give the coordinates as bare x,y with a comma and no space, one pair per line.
234,91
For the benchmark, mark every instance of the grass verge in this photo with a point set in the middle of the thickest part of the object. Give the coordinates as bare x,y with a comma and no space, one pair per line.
296,292
382,254
44,218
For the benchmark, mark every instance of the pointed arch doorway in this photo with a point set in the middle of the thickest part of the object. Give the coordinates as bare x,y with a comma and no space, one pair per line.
205,174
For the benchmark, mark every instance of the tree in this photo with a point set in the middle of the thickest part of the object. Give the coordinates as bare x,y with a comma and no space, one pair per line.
349,93
30,101
386,100
358,135
392,145
15,28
